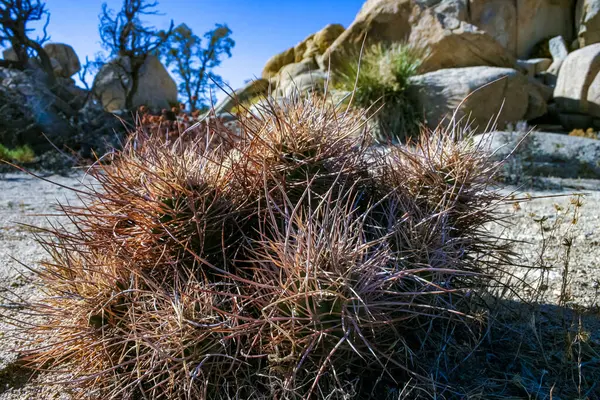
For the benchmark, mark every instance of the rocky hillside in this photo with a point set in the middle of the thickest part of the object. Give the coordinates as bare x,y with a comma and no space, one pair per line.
523,60
44,116
504,62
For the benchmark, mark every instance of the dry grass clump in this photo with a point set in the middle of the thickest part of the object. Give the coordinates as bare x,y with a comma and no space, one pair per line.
290,261
378,81
588,133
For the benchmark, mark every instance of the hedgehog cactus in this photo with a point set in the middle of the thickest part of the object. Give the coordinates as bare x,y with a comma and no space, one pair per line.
293,262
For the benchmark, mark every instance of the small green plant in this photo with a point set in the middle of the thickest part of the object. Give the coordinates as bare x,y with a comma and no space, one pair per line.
22,154
379,80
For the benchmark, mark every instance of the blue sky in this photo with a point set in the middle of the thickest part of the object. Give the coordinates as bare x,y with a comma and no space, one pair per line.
261,28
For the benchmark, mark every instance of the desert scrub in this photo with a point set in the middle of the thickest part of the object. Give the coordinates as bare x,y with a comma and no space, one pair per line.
21,155
378,81
291,263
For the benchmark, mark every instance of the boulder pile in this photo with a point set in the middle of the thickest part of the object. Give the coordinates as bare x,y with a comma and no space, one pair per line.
33,113
44,115
520,56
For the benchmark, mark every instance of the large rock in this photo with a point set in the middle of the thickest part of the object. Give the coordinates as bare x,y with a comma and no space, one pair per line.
450,43
9,54
378,21
455,8
539,20
291,71
299,78
578,86
544,154
26,111
484,93
278,61
254,88
65,62
499,19
537,102
546,92
458,9
534,66
317,44
437,27
558,47
559,50
300,84
31,114
308,49
519,25
63,58
156,88
587,19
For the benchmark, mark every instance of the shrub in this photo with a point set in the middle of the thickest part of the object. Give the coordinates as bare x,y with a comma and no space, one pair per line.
378,81
292,263
22,154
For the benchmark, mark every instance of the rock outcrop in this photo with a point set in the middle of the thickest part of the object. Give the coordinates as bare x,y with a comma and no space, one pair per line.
528,39
64,59
156,89
254,88
520,25
517,25
578,87
27,110
539,20
450,43
544,154
309,49
309,81
377,21
559,50
30,113
481,94
499,19
440,29
587,19
534,66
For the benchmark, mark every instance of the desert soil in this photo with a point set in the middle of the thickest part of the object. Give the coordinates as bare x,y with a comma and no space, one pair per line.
25,200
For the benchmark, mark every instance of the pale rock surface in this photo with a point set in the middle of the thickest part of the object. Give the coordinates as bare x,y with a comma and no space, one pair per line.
64,59
587,20
578,86
481,92
156,88
451,43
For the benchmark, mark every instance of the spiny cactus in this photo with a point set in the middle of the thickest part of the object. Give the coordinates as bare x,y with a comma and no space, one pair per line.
291,262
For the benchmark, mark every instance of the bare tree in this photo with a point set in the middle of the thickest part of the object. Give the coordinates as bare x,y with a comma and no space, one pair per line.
126,38
15,16
194,61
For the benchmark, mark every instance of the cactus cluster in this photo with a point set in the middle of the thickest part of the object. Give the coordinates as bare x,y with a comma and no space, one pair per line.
288,260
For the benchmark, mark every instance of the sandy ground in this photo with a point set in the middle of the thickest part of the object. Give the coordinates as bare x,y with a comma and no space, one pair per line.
25,200
543,226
